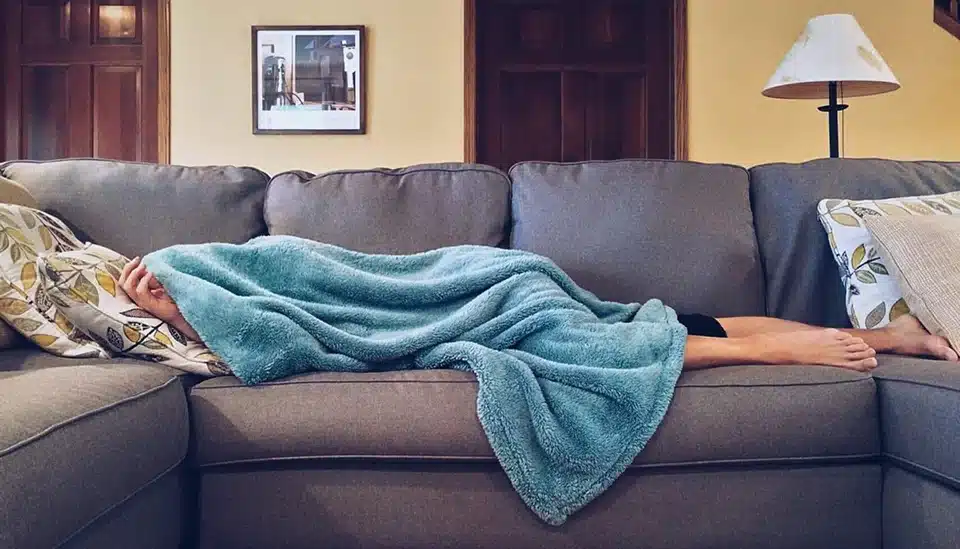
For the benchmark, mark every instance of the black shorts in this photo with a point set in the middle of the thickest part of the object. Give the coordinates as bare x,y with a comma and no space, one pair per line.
702,325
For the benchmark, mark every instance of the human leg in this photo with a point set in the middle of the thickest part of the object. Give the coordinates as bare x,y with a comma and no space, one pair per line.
903,336
826,347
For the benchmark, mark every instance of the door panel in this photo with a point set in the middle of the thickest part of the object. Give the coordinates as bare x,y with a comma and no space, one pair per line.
572,80
617,117
116,113
46,22
85,78
531,105
613,32
46,100
575,96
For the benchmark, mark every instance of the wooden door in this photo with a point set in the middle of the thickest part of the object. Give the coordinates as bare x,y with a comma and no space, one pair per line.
572,80
81,79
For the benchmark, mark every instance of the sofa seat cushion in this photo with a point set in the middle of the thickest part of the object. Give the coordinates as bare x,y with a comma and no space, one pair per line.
726,415
920,407
77,441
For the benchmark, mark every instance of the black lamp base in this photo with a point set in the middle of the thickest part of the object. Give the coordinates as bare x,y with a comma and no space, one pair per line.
833,110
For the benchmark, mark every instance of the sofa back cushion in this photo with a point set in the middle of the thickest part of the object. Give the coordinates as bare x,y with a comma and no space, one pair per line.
802,279
137,208
408,210
632,230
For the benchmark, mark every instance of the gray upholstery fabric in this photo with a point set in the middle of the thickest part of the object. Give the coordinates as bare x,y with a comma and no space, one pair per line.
746,414
802,279
920,407
151,519
76,442
30,357
639,229
449,505
393,211
919,513
138,208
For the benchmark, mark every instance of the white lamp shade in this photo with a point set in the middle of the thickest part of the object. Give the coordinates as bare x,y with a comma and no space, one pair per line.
832,48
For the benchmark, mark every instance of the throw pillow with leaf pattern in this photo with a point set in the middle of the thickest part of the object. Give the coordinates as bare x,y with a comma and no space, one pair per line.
83,284
26,234
873,296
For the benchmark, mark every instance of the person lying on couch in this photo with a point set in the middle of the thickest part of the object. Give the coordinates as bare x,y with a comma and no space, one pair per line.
711,342
570,388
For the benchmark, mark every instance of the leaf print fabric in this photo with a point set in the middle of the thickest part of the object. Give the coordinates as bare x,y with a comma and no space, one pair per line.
25,235
874,298
83,284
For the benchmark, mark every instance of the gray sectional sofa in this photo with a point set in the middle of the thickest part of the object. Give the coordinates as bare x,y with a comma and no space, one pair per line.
126,454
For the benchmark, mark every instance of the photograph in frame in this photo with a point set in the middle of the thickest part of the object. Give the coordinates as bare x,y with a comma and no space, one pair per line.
308,80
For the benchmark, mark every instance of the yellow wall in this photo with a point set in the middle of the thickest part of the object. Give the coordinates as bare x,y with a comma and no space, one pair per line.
735,45
415,83
414,79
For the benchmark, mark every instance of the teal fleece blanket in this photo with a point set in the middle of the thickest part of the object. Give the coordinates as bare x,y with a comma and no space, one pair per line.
570,387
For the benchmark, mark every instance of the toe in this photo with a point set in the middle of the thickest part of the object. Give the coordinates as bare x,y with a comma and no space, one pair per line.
862,355
939,347
946,353
867,364
854,347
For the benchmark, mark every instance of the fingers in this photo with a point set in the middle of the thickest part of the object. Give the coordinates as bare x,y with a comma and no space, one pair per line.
137,282
133,279
143,286
127,269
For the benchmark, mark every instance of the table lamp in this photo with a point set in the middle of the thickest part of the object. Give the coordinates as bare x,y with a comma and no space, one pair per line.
832,57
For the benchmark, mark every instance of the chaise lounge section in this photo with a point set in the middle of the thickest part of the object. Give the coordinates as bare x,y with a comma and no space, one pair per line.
123,453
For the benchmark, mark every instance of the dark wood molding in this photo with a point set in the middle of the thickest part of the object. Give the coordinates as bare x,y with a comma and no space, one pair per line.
680,109
13,78
679,81
163,83
470,80
949,21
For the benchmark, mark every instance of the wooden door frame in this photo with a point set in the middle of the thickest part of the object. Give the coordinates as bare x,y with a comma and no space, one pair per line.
678,78
163,81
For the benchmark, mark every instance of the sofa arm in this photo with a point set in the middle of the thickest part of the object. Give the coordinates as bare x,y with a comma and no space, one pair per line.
90,455
920,425
920,415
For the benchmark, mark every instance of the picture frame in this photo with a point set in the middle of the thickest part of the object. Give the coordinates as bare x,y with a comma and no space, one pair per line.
309,79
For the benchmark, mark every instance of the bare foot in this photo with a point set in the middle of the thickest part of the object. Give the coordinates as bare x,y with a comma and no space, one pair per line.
909,337
827,347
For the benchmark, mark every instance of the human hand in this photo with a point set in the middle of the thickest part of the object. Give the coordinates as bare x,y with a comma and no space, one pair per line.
140,285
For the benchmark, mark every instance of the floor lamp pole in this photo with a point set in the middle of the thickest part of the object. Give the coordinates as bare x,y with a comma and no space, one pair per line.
833,114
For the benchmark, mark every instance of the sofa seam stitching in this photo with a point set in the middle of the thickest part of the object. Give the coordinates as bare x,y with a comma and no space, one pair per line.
474,382
492,459
922,470
90,413
118,504
929,384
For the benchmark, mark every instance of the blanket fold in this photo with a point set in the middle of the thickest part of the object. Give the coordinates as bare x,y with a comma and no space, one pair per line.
571,387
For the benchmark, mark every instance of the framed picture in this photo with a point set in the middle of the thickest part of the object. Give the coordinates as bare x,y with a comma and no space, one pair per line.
309,80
